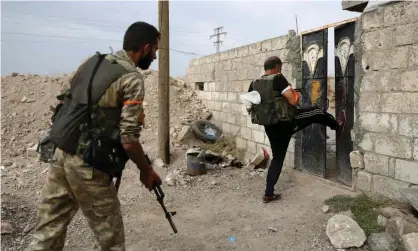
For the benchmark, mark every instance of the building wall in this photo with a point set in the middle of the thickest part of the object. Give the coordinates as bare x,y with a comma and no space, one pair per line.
220,78
386,110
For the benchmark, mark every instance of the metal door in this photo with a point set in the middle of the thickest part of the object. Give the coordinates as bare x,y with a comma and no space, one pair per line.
314,83
344,97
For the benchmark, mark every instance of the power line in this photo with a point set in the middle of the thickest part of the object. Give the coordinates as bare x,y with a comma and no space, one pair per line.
217,33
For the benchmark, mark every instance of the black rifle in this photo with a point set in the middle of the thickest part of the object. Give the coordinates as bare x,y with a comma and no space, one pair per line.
160,197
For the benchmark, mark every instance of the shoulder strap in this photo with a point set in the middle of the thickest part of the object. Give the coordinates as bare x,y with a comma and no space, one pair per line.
89,90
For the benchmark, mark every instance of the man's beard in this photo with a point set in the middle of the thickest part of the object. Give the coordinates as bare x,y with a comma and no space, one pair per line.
145,61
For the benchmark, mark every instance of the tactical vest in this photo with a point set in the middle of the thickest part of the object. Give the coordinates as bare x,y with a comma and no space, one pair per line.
70,123
273,107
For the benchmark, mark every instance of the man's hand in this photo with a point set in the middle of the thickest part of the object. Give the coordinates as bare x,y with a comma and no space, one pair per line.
150,178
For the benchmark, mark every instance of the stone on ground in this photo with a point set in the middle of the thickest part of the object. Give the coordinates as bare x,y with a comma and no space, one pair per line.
6,228
325,209
381,242
410,241
411,195
344,232
382,220
398,226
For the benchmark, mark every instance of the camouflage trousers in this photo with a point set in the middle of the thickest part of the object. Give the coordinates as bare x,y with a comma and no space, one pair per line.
72,185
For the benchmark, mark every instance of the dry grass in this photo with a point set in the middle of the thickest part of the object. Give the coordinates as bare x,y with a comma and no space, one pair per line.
226,145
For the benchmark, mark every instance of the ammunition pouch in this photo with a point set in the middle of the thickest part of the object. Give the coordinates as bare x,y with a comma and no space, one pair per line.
46,148
269,113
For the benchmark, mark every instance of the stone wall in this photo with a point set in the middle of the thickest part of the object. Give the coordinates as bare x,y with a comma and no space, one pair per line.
386,100
220,78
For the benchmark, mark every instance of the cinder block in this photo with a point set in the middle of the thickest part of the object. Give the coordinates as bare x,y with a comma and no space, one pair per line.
377,164
210,105
242,120
215,115
232,97
215,96
363,181
246,133
258,136
241,143
372,19
254,48
237,64
223,96
366,142
252,147
378,39
223,116
232,118
376,122
388,187
406,171
266,140
279,42
408,125
266,45
235,130
380,82
369,102
226,107
409,79
415,149
392,14
242,51
413,57
396,58
250,124
410,13
406,34
217,106
394,146
226,128
399,102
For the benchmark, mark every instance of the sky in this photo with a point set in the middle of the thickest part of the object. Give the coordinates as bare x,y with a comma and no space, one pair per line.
54,37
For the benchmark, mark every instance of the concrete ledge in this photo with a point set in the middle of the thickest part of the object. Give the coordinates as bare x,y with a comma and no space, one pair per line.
356,6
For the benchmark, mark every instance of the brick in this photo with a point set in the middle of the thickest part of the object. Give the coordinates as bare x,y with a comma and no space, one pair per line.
258,136
236,86
377,164
254,48
279,43
235,130
215,115
415,149
242,120
372,19
236,63
375,122
399,102
252,147
211,86
406,171
250,124
221,76
380,82
369,102
392,166
366,142
232,97
388,187
266,140
356,159
241,143
223,96
207,95
395,146
246,133
408,125
226,128
406,34
363,181
413,56
217,106
210,105
223,116
378,39
409,80
236,108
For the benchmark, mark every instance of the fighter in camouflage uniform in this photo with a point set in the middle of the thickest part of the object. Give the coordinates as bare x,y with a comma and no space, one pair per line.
72,184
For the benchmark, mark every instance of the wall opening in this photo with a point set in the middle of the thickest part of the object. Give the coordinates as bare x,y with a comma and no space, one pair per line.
199,86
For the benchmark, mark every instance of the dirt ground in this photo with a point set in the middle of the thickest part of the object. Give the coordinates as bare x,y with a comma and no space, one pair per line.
210,208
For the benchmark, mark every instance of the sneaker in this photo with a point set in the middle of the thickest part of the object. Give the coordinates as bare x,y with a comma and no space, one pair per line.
341,120
267,199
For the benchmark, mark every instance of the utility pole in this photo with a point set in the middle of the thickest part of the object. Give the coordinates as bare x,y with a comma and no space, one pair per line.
217,34
297,27
164,83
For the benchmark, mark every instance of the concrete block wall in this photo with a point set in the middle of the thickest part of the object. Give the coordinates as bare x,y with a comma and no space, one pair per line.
386,109
220,78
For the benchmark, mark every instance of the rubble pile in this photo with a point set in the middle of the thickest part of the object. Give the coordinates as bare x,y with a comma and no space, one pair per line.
26,112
